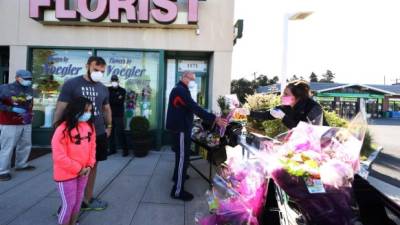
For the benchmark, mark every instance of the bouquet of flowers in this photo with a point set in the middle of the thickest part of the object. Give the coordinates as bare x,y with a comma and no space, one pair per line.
315,166
238,194
231,111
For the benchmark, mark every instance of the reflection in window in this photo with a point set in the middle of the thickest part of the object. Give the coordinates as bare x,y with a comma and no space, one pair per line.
50,69
138,74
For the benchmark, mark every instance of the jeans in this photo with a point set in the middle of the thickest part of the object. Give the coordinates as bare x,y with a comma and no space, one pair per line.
14,136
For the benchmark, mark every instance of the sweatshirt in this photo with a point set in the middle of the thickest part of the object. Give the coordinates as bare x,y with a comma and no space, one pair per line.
18,96
69,157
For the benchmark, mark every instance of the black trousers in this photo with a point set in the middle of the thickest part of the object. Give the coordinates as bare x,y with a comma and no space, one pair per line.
181,146
118,134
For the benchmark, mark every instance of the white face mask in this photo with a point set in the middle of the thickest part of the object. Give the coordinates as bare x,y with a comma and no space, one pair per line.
96,76
192,84
114,84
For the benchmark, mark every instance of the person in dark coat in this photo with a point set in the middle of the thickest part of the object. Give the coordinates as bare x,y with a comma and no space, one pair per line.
297,105
181,111
117,101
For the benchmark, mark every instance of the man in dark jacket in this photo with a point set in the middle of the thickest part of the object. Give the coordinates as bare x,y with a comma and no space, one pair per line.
181,110
117,100
16,102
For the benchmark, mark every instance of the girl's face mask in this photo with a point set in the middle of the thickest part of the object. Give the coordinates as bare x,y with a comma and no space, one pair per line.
287,100
85,117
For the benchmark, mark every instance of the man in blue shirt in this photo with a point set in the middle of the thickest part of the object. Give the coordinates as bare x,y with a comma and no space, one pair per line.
180,115
16,102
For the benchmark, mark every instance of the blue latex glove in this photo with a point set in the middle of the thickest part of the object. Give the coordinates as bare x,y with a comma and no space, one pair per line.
18,110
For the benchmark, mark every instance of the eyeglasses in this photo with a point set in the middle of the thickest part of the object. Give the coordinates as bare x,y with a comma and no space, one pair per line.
78,138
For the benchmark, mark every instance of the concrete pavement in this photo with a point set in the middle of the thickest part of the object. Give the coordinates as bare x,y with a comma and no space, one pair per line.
137,190
386,167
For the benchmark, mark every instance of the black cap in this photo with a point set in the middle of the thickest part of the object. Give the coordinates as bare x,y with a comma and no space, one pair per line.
114,78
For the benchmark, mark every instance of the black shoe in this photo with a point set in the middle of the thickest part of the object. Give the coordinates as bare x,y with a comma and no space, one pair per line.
111,152
5,177
94,205
184,196
187,177
125,154
28,168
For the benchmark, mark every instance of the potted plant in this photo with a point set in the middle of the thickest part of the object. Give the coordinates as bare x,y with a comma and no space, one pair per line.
141,138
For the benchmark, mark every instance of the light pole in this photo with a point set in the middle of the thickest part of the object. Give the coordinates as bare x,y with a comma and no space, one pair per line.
288,17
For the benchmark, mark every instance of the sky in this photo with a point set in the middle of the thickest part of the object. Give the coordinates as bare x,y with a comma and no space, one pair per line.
358,40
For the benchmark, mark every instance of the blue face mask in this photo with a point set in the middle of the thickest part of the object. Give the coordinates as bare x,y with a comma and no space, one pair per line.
26,83
85,117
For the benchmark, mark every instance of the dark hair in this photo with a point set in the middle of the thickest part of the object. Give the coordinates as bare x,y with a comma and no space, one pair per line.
97,59
300,89
71,115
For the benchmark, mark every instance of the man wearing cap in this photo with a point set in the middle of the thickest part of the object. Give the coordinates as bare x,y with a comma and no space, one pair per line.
16,102
117,100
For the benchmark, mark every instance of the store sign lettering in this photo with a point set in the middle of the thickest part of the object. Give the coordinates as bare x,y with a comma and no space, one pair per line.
62,71
164,11
120,67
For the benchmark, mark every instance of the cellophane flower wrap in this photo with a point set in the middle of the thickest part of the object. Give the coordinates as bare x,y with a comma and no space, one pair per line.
231,111
315,167
238,194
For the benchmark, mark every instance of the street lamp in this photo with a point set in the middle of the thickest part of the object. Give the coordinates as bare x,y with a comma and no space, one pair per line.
289,17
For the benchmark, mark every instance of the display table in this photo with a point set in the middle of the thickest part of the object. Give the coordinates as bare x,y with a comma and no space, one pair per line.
206,153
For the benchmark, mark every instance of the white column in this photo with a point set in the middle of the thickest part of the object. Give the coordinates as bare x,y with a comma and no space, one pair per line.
18,60
220,77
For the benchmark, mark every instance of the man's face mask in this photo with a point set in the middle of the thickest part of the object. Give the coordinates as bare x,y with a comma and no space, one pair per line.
192,84
114,84
96,76
26,82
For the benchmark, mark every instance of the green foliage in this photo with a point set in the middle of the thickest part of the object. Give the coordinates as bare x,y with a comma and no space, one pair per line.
244,87
328,77
139,126
334,120
259,102
313,77
368,146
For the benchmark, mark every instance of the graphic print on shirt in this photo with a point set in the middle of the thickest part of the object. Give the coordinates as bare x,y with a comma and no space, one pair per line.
91,94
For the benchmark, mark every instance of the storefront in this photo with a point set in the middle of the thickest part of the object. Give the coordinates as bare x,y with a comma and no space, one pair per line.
148,44
346,99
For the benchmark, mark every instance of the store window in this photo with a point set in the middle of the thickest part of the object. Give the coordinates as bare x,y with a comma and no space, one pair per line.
138,73
50,69
394,105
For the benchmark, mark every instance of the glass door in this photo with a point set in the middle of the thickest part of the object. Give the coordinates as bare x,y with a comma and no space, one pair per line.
200,68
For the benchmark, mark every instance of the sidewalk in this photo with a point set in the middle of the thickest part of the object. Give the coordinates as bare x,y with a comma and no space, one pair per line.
137,190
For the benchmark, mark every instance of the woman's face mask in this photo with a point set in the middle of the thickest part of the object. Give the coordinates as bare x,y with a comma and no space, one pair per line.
287,100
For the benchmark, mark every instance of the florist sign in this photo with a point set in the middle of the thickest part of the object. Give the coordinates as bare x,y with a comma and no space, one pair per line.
113,11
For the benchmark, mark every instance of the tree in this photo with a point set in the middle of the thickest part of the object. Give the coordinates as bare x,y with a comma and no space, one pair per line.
294,77
242,87
313,77
262,80
328,77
